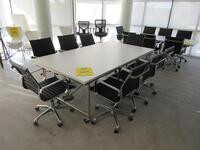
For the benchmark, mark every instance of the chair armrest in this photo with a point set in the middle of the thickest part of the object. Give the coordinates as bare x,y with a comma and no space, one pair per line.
110,86
53,83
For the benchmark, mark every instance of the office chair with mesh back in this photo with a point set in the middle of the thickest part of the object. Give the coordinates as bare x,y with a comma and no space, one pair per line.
134,39
100,28
178,51
42,47
149,30
165,32
83,27
67,42
87,39
48,91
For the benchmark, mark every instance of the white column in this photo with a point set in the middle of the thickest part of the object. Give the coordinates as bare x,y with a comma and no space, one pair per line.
126,10
43,17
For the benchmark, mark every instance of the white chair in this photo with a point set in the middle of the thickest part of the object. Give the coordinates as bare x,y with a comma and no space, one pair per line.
65,30
31,35
20,20
14,40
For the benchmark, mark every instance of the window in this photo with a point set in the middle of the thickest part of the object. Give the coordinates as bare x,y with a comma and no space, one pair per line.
157,13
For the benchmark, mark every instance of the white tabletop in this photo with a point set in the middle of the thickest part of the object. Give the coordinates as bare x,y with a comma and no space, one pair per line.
102,58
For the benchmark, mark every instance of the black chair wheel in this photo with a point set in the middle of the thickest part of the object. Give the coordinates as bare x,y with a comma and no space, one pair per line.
35,123
97,107
116,130
130,118
151,84
94,121
176,70
179,66
117,106
134,110
37,108
185,60
146,102
59,124
154,92
72,110
163,68
86,120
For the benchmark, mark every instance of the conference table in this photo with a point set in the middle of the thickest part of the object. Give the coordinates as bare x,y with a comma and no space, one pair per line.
103,58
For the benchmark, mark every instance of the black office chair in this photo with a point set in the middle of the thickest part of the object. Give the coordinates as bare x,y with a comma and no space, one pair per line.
121,34
178,51
83,27
156,62
42,47
165,32
134,39
149,30
100,28
47,90
67,42
149,41
184,34
115,90
87,39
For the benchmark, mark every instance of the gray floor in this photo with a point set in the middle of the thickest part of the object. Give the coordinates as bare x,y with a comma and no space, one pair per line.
170,122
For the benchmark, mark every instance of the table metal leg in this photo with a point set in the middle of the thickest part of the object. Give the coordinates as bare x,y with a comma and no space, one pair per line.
89,102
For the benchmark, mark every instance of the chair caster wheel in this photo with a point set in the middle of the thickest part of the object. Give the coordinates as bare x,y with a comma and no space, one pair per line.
35,123
97,107
59,124
176,70
37,108
134,110
130,117
146,102
185,60
163,68
151,84
179,67
116,130
86,120
154,92
94,121
72,110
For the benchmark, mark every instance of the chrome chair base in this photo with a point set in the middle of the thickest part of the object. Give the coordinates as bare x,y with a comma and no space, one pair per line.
113,111
48,109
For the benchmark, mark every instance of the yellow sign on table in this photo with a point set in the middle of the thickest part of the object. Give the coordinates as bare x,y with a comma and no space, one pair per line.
86,71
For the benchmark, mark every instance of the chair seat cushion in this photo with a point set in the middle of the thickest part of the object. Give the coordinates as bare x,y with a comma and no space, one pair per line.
107,91
53,90
100,34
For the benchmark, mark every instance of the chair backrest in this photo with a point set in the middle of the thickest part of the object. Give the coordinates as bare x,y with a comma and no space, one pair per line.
120,31
149,41
87,39
165,32
184,34
100,25
28,81
15,33
32,34
132,80
83,27
42,47
20,20
149,30
65,30
67,42
176,42
134,39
